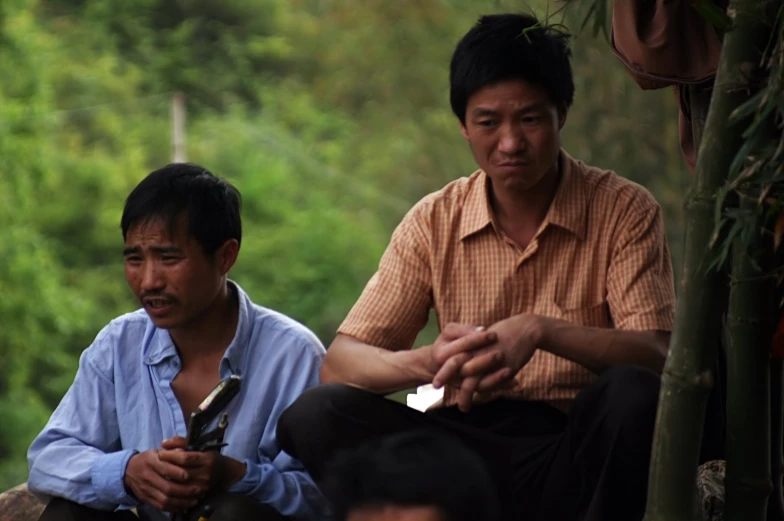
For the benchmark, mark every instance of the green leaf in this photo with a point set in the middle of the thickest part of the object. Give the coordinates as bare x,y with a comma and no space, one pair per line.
713,14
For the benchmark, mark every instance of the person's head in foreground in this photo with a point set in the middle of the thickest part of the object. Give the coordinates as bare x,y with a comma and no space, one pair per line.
511,87
182,232
414,476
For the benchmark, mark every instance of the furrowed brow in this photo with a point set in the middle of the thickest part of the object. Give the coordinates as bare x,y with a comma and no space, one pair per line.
161,250
481,112
534,107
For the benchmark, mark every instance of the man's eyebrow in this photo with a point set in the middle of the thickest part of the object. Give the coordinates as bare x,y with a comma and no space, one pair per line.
533,107
479,112
135,250
165,249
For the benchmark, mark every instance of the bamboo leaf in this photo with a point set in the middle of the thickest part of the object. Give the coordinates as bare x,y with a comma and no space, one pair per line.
725,249
589,15
746,109
598,16
737,163
767,111
713,14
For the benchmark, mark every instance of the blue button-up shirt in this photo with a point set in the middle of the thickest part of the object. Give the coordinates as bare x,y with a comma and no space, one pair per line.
122,400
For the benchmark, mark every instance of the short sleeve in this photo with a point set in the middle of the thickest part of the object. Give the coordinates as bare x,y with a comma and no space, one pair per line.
396,301
641,293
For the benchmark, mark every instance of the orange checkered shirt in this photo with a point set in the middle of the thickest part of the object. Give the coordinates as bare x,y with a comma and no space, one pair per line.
600,258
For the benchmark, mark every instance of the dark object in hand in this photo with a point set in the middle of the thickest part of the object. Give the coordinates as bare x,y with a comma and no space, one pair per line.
208,409
214,403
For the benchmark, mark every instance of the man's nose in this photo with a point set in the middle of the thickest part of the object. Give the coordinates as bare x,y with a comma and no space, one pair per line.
152,278
512,141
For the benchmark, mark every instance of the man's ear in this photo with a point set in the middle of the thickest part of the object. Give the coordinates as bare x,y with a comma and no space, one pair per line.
226,255
562,116
464,131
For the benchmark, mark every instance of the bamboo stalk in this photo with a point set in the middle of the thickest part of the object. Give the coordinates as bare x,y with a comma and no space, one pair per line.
687,377
699,101
750,328
751,321
776,500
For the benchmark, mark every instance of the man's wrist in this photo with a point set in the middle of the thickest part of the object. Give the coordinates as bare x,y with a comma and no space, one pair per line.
424,367
535,330
128,489
108,477
235,472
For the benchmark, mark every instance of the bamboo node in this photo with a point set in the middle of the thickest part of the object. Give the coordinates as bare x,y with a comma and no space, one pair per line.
700,202
747,321
701,380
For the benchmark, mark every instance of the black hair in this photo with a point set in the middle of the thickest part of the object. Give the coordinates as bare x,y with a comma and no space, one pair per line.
507,47
416,468
211,204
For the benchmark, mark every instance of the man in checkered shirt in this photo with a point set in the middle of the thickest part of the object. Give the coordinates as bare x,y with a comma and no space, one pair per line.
552,284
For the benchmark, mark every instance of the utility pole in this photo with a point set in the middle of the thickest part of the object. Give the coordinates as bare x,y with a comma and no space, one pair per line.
178,127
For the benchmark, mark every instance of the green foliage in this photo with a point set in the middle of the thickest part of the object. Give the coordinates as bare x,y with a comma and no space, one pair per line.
714,14
300,253
597,14
757,171
332,118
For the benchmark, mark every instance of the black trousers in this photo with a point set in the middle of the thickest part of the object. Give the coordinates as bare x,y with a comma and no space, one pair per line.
223,507
589,465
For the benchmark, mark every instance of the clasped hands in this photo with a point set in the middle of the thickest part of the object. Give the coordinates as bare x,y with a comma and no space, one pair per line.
173,479
471,358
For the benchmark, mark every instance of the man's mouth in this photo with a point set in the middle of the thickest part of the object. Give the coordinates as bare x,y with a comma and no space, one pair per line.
156,303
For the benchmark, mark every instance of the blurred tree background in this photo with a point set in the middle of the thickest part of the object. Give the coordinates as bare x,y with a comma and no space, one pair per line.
331,116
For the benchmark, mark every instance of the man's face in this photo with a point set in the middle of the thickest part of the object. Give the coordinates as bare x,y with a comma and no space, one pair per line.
396,513
513,129
170,274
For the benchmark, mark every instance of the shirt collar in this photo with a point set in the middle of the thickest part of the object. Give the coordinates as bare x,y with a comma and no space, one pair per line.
162,347
568,209
477,213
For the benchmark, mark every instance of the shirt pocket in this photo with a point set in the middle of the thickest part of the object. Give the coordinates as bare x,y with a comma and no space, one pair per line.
595,315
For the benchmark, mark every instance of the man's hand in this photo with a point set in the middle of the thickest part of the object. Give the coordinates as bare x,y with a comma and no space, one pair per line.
160,484
210,470
464,339
492,366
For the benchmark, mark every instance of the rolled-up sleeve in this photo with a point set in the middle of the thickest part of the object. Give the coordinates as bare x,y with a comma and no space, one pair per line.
641,294
396,301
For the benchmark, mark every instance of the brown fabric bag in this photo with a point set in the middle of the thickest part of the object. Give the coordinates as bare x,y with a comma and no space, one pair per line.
666,43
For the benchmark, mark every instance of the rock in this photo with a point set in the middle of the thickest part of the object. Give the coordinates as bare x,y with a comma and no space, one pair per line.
710,490
19,504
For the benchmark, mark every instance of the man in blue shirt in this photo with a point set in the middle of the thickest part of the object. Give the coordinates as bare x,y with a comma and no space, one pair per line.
115,441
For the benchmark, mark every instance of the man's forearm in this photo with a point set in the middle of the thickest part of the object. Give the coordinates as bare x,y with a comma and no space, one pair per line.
234,472
377,370
88,476
292,493
601,348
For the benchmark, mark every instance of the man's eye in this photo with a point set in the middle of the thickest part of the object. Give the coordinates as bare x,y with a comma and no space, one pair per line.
133,259
486,123
531,120
169,258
